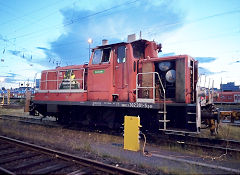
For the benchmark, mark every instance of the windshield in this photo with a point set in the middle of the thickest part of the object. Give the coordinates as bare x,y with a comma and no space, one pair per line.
97,56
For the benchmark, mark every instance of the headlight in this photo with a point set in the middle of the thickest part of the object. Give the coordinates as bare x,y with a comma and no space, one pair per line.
171,76
164,66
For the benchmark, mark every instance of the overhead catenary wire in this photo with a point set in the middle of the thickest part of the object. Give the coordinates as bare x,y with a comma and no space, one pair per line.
30,12
73,21
77,19
199,19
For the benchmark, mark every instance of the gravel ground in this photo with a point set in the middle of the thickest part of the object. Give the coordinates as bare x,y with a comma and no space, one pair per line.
109,149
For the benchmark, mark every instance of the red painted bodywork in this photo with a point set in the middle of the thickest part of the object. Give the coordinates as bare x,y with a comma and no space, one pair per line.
114,78
227,97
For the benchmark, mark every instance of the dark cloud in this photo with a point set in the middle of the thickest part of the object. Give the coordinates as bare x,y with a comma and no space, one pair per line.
205,59
42,48
238,61
114,25
14,52
166,54
12,74
10,77
51,58
205,71
10,80
2,38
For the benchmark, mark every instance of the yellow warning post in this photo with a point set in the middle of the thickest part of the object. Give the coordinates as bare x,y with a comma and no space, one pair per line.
131,133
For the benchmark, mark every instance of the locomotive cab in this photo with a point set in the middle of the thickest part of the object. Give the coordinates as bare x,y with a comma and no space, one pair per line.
132,72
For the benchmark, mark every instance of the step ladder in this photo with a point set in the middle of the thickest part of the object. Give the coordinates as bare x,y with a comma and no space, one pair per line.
163,112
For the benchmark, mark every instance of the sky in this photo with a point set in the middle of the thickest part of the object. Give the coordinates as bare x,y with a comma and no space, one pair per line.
40,35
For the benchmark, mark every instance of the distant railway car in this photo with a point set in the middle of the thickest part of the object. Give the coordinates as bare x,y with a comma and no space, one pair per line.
227,97
126,78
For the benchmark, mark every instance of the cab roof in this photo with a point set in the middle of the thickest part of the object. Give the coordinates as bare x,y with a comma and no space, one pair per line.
114,44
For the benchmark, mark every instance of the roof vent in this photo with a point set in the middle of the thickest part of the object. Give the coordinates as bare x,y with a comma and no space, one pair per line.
131,38
104,42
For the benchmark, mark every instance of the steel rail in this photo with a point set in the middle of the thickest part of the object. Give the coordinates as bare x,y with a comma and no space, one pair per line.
231,146
110,169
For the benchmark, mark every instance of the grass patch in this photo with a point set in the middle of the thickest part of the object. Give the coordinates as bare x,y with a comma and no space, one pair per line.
225,131
109,156
18,112
87,147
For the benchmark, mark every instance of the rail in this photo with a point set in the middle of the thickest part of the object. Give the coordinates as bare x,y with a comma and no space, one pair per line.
37,155
69,81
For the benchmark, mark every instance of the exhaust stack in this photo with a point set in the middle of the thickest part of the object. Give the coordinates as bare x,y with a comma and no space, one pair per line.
104,42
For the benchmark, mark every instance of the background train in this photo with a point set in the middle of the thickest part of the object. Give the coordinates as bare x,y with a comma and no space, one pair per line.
126,78
227,97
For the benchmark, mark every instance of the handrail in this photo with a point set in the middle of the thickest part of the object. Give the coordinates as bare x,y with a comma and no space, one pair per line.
153,87
164,103
57,80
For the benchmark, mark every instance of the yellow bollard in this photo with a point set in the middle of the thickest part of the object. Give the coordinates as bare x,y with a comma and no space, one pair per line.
131,133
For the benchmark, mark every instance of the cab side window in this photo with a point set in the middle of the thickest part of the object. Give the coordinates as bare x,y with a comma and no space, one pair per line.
121,54
101,55
138,49
97,56
106,55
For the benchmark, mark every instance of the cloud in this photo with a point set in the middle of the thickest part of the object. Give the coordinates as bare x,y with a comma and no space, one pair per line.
205,59
14,52
12,74
42,48
9,77
2,38
235,62
205,71
166,54
51,58
72,48
10,80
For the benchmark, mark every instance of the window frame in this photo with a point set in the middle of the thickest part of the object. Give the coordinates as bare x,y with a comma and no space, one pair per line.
100,60
109,55
138,44
124,59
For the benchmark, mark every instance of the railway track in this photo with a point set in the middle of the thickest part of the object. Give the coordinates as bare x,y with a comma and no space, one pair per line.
34,121
12,106
17,157
236,124
221,146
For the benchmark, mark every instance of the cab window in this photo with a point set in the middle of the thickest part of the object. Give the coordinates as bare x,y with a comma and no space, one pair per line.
101,56
106,55
138,49
97,56
121,54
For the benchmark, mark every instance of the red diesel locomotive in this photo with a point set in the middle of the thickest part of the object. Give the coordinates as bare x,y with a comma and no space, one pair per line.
126,78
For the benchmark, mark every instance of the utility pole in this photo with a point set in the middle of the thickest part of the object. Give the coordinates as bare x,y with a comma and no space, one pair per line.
89,43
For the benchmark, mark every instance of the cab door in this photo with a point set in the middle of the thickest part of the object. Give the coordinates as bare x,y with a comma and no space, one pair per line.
100,75
120,74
